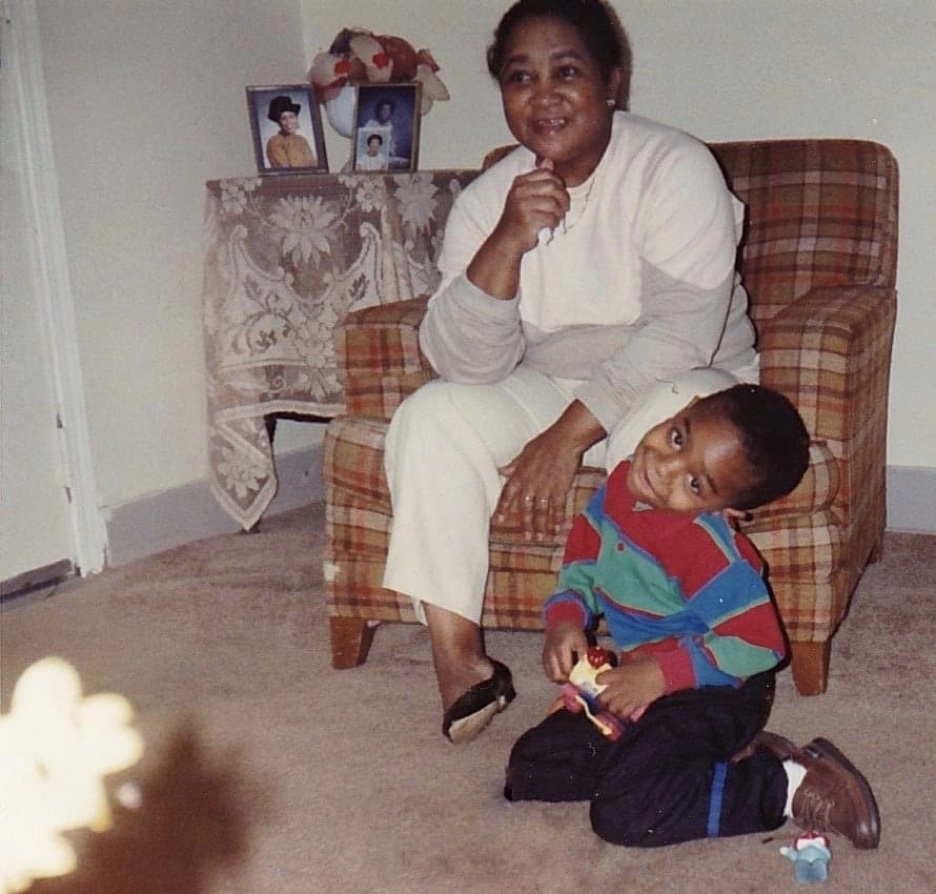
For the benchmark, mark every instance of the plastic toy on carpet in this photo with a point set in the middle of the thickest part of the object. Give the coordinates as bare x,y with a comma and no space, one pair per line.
810,855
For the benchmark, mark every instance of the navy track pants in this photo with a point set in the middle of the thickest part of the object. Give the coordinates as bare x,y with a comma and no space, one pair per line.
670,777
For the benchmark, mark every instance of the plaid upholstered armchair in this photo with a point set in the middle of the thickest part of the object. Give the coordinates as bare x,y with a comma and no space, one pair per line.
818,259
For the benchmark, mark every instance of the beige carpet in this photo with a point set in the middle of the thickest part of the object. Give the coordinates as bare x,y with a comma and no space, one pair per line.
267,772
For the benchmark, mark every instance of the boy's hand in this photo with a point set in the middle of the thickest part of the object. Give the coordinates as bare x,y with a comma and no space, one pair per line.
631,686
565,644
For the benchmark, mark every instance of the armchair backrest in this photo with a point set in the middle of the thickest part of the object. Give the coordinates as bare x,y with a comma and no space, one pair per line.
819,213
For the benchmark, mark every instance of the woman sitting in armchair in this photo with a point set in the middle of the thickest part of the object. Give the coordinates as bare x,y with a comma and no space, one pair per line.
588,291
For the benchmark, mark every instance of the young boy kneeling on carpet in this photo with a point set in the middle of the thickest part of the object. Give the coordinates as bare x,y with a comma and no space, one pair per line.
685,601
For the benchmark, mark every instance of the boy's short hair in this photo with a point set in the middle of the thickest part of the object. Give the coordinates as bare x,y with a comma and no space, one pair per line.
774,438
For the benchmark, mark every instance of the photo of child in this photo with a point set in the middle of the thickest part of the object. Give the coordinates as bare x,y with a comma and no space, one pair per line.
372,152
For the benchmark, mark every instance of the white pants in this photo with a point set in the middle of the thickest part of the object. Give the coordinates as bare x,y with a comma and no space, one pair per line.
444,447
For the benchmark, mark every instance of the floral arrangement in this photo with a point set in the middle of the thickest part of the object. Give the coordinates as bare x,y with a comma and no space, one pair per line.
358,56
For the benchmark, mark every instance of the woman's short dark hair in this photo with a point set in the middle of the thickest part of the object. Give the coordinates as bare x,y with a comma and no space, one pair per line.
773,436
594,20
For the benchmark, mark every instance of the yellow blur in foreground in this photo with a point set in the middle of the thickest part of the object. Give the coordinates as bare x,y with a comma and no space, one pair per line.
55,749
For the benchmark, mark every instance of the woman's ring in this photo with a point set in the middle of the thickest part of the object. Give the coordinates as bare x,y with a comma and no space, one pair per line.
528,498
543,501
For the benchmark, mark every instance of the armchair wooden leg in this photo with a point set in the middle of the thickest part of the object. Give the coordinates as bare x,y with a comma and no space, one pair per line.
810,664
351,640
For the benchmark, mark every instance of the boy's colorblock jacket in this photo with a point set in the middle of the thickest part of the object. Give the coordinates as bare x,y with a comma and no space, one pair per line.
688,589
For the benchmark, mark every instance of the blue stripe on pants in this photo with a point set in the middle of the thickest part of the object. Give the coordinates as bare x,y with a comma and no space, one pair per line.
715,799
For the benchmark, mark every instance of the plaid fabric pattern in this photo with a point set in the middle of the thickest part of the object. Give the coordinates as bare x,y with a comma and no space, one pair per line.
378,350
820,213
819,261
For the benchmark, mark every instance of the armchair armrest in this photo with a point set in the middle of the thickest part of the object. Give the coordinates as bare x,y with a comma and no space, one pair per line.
377,350
815,493
830,353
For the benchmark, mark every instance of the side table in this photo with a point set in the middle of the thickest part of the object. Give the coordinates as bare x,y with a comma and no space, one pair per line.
285,258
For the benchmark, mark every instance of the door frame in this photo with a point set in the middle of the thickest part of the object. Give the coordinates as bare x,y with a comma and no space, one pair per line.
22,63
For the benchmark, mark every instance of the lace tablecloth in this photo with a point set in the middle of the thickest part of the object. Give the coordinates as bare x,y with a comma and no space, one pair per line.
285,259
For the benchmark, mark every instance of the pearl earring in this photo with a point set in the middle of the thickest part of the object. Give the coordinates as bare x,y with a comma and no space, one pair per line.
611,102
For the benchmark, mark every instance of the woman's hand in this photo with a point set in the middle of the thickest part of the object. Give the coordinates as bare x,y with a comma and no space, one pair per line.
539,478
631,686
565,644
537,200
538,481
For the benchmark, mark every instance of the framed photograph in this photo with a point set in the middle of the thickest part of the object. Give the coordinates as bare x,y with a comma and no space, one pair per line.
386,127
372,149
286,123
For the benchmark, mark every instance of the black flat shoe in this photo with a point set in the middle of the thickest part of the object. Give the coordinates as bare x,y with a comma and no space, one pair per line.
475,709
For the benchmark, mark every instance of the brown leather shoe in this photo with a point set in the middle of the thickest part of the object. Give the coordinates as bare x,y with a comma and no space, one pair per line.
779,745
834,796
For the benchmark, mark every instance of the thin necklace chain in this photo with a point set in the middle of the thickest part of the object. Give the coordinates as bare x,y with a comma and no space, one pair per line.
564,227
571,226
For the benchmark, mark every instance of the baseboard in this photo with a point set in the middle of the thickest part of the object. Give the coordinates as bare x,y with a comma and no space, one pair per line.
29,582
162,521
911,499
171,518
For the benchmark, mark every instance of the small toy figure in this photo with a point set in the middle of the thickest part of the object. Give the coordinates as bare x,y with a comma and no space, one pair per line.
582,691
810,856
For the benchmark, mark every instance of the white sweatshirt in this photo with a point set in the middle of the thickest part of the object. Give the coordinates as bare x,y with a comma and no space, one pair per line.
636,285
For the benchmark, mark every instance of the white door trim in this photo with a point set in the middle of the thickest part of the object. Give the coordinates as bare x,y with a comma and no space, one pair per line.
22,63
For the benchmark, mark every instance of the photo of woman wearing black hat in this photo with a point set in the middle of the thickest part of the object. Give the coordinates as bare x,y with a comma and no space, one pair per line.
288,148
277,116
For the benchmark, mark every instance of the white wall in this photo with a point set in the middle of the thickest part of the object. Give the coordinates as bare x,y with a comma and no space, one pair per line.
147,103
